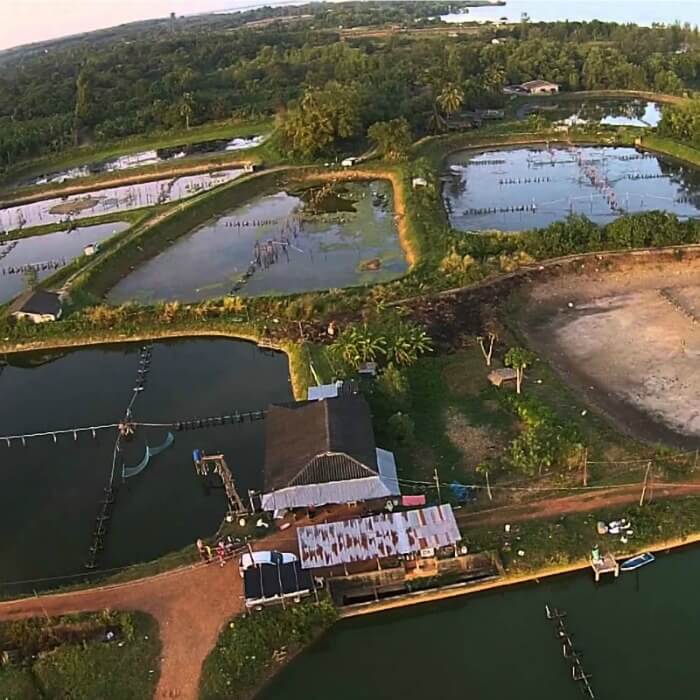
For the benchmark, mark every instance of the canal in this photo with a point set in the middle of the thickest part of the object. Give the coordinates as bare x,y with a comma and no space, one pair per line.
49,492
638,636
525,188
274,244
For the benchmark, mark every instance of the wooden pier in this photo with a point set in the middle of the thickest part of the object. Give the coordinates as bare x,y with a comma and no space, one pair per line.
205,465
568,650
606,564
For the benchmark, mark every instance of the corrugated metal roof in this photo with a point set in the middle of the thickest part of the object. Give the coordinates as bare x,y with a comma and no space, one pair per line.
377,537
354,483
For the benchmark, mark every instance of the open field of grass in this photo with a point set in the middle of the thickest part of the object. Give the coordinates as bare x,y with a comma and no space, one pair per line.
70,657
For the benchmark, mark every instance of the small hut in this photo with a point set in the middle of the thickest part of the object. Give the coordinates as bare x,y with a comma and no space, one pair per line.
503,374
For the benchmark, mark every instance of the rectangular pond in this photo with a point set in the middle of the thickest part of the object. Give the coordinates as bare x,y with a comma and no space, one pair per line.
274,244
527,188
638,113
638,638
50,492
111,199
143,158
46,254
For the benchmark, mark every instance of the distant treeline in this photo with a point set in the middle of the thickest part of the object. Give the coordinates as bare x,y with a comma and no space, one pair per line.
166,75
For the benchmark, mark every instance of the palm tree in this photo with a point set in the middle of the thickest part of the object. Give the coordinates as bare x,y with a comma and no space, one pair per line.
450,99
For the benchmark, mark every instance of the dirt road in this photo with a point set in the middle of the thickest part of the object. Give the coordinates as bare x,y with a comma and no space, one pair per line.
580,503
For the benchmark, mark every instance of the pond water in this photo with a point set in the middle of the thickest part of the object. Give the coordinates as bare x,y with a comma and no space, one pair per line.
111,199
526,188
46,254
637,113
50,493
142,158
285,249
638,637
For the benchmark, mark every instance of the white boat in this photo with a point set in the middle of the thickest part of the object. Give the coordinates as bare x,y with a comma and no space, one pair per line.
637,562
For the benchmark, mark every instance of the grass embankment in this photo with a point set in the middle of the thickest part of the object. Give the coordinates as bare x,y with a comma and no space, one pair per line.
68,657
669,147
550,545
103,151
253,647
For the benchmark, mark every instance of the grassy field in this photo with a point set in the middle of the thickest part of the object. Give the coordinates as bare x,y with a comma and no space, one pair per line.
569,539
68,657
669,147
252,647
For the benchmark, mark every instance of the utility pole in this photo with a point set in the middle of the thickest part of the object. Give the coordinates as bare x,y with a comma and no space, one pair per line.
644,488
585,466
488,487
437,485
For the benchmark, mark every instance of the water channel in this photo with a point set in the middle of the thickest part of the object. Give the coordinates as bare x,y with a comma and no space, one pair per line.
638,635
527,188
47,253
143,158
49,492
111,199
285,248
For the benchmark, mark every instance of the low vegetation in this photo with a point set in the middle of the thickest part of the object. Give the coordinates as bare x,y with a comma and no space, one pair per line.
254,645
83,657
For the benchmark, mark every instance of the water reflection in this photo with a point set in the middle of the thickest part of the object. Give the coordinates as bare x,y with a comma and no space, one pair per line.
50,492
275,244
150,157
46,254
111,199
527,188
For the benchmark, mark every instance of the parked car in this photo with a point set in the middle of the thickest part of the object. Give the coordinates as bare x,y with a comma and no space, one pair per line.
250,559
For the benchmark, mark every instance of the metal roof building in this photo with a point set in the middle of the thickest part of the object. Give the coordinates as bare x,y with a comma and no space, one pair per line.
377,537
321,452
266,584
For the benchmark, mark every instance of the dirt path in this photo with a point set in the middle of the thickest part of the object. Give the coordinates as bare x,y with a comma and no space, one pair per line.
190,604
580,503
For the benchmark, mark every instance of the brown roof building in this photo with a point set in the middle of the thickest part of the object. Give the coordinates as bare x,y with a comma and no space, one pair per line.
319,452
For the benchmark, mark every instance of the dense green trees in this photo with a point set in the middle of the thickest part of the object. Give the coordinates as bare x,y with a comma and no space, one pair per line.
392,139
148,77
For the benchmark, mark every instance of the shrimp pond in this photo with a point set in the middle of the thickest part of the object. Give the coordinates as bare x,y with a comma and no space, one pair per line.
525,188
50,491
47,253
284,242
111,199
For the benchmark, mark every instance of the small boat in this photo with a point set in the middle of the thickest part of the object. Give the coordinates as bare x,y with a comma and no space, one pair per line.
637,562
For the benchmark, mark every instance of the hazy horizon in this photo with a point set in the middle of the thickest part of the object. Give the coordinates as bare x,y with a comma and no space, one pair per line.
29,21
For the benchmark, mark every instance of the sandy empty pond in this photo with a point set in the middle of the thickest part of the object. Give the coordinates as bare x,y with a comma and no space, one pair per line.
630,341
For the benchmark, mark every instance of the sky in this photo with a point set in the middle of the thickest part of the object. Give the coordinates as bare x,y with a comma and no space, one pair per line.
25,21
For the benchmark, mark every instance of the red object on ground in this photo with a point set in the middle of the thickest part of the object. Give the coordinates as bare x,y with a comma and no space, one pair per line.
413,500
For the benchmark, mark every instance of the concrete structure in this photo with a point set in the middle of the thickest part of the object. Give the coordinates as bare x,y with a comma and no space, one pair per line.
37,305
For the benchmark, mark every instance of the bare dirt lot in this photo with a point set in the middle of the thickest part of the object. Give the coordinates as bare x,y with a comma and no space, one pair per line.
630,340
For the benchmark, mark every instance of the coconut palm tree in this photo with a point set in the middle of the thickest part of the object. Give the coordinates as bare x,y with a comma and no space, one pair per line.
450,99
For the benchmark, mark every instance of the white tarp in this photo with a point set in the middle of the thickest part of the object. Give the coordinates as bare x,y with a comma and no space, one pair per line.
384,485
377,537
